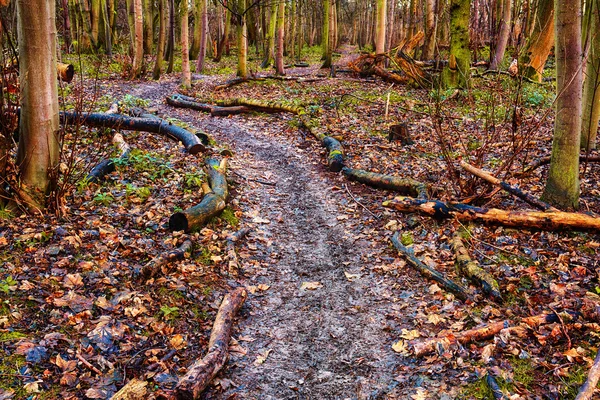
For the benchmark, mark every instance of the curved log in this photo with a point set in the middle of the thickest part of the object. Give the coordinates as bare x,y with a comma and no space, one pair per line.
427,272
199,375
181,101
211,205
389,182
115,121
549,221
335,158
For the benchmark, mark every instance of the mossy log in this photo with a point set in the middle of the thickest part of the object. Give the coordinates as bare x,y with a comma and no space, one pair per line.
428,272
261,105
65,72
515,191
402,185
107,166
549,221
201,373
225,111
427,346
473,271
212,203
116,121
335,156
181,101
155,266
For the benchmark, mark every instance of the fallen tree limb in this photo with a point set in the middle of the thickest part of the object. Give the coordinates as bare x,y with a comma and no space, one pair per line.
473,271
587,390
116,121
389,182
526,197
268,106
487,331
212,203
427,272
233,264
199,375
238,81
135,389
181,101
107,166
546,160
225,111
551,220
335,157
154,266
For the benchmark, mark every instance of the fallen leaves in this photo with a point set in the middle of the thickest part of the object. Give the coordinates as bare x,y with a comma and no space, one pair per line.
311,285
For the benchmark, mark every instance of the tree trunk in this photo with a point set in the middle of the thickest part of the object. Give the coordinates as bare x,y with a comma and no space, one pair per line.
203,23
107,28
84,16
539,44
280,38
195,47
562,186
503,35
186,76
458,72
326,35
380,26
170,54
591,85
162,33
38,151
95,21
148,26
225,38
430,30
242,70
138,52
293,29
270,39
67,32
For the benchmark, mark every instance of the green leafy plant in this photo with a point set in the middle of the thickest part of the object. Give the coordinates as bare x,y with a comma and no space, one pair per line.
193,180
169,313
130,101
8,285
104,198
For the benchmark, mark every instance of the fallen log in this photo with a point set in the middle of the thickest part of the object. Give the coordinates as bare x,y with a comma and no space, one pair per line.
487,331
473,271
427,272
526,197
212,203
155,266
335,157
65,72
238,81
268,106
546,160
181,101
587,390
135,389
234,264
199,375
225,111
389,182
116,121
107,166
549,221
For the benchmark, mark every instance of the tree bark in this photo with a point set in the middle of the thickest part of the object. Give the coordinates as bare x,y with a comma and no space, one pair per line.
402,185
203,23
186,75
280,38
380,24
148,26
154,267
587,390
539,43
138,52
242,42
38,151
458,72
162,33
591,85
503,35
562,186
270,39
326,35
430,29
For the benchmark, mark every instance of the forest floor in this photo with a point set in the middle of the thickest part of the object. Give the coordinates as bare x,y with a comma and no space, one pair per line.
332,308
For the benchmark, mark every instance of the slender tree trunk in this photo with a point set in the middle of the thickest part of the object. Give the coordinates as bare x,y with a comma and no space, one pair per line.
280,38
225,38
270,39
95,22
170,55
334,25
75,25
591,85
131,23
204,28
562,187
391,26
242,70
84,16
300,31
148,26
326,34
431,16
293,28
458,72
538,45
162,33
107,28
186,75
195,48
66,25
38,151
503,35
380,27
138,52
112,17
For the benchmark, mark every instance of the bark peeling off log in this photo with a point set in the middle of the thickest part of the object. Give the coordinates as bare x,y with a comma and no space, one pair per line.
389,182
211,205
555,220
115,121
199,375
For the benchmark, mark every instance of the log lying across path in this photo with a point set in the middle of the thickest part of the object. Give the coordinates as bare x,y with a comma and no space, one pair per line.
116,121
549,221
261,105
154,266
181,101
107,166
237,81
526,197
335,158
428,272
402,185
428,346
212,203
199,375
473,271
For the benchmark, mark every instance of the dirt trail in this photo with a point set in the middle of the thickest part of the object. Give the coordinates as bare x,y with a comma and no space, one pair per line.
327,343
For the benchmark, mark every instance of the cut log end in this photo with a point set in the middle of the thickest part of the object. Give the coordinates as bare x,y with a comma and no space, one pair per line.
178,222
196,148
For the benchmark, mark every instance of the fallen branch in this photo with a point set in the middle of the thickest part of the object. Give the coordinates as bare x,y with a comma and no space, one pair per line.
238,81
268,106
233,264
427,272
212,203
552,220
199,375
587,390
154,266
107,166
335,157
526,197
546,160
225,111
115,121
181,101
485,332
473,271
134,389
389,182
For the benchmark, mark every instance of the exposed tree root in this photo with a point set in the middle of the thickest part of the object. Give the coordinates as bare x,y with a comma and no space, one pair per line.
428,272
549,221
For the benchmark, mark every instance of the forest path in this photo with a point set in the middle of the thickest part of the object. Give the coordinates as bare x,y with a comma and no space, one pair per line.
328,342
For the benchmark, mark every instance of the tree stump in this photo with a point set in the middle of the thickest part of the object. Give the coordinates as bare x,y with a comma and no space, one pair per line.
400,133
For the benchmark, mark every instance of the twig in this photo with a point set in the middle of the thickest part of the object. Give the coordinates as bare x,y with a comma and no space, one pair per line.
253,180
359,203
562,325
87,363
